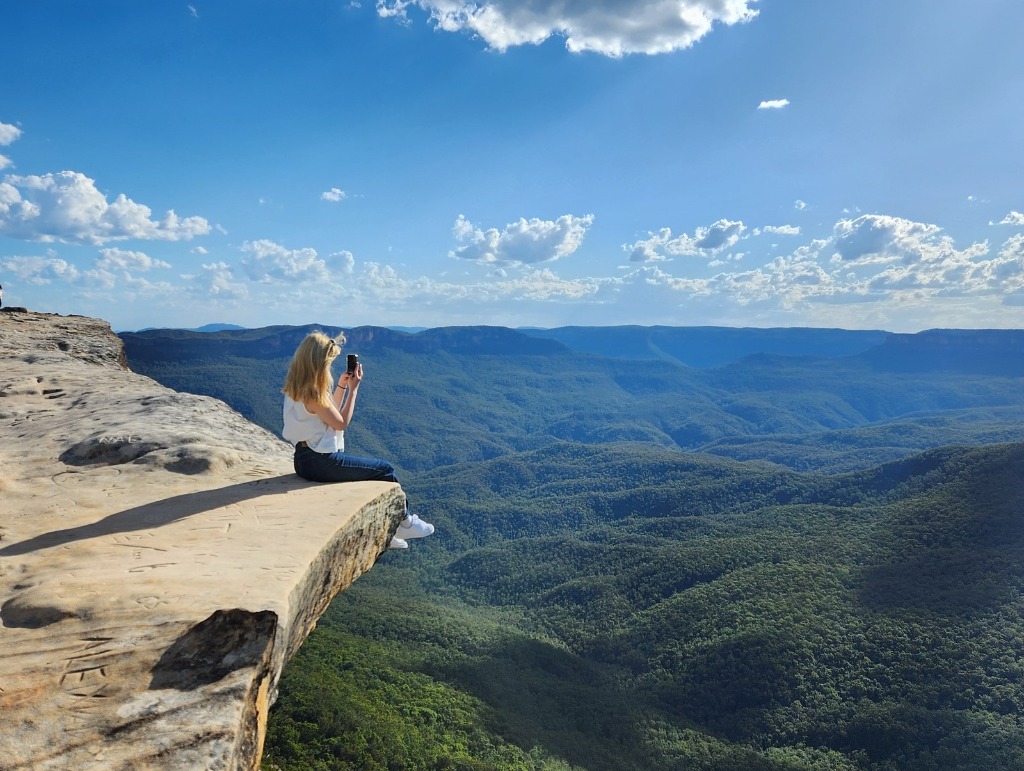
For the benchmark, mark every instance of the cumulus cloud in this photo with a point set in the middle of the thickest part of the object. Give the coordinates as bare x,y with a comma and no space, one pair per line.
782,230
113,268
217,280
1013,218
5,162
1003,274
344,260
39,270
268,262
68,207
8,133
127,260
878,239
543,284
334,195
874,258
705,242
524,242
799,205
608,27
773,104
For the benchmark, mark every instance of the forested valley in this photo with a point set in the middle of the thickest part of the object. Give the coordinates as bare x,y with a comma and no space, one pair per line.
793,549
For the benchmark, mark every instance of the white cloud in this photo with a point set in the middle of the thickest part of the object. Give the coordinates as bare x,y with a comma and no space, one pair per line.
773,104
5,161
39,270
609,27
782,230
524,242
799,205
705,242
199,250
889,262
68,207
334,195
126,260
1013,218
1002,274
8,133
217,281
382,285
545,285
345,261
875,239
268,262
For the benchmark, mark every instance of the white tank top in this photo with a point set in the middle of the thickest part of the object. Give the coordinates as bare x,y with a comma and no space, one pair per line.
301,425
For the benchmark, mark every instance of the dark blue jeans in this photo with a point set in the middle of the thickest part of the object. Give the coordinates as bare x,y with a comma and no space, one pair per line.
342,467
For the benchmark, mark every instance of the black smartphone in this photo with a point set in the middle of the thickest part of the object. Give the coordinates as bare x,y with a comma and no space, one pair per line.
352,360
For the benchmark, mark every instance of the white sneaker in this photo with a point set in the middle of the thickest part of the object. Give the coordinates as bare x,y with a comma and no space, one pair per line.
414,527
398,543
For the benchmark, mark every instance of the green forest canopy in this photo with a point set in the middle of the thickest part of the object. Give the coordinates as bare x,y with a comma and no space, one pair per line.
603,593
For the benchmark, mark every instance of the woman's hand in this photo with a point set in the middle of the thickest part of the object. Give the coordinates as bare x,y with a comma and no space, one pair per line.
351,379
355,377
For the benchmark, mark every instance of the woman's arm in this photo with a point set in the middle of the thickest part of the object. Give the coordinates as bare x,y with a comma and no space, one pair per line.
338,414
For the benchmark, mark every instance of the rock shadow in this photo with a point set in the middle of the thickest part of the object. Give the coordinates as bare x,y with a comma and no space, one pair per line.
161,512
214,648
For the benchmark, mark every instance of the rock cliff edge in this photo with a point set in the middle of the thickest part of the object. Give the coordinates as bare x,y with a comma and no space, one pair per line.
159,560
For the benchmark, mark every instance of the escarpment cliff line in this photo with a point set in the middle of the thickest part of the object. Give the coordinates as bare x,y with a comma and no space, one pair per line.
159,560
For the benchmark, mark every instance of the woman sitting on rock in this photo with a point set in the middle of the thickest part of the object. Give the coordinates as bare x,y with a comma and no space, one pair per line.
315,420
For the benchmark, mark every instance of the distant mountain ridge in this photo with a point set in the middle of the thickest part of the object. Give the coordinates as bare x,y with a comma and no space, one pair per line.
491,390
983,351
281,341
704,347
976,351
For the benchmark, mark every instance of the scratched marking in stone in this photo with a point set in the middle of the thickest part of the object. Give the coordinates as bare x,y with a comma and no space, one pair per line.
84,676
139,546
153,566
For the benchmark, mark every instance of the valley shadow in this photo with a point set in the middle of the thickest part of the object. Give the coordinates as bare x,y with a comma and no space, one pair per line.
955,553
161,512
542,696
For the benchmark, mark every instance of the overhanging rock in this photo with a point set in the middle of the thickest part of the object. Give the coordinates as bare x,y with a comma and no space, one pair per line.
159,560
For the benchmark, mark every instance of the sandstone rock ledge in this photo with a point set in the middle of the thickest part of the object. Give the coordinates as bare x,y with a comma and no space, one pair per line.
159,560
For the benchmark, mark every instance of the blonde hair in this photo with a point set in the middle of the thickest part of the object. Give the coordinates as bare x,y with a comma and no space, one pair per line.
309,374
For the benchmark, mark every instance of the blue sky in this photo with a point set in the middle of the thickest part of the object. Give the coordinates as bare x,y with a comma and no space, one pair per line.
515,162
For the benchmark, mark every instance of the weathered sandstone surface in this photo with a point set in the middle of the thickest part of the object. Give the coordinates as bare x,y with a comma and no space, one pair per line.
159,560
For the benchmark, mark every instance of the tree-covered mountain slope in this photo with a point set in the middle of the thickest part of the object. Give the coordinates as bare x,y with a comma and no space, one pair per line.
460,394
711,346
604,593
624,607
